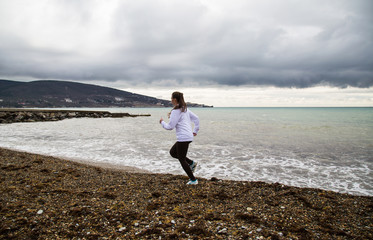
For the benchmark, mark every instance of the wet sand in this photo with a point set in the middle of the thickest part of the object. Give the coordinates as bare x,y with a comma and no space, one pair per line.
49,198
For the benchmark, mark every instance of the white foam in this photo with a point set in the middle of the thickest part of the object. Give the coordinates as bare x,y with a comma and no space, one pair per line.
142,143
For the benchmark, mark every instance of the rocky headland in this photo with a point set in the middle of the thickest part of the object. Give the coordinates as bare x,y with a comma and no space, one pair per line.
65,94
42,197
42,115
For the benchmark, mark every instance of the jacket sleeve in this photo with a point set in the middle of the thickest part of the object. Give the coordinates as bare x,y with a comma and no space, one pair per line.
194,118
174,119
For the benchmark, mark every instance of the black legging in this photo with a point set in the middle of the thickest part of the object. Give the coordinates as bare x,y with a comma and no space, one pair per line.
179,150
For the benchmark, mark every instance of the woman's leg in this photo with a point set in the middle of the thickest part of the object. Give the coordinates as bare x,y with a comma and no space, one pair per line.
173,150
179,150
173,153
188,160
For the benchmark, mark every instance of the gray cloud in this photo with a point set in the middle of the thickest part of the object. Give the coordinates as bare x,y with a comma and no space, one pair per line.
256,43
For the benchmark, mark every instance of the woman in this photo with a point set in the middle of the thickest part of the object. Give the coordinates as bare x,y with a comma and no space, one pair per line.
180,118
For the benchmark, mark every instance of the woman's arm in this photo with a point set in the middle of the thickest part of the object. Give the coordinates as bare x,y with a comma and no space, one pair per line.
194,118
174,119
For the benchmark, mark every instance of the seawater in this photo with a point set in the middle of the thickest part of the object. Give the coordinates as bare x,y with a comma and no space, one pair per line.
327,148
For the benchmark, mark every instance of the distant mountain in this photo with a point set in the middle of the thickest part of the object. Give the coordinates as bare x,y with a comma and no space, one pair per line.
53,94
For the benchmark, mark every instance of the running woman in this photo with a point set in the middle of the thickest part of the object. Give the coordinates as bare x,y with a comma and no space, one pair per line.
181,118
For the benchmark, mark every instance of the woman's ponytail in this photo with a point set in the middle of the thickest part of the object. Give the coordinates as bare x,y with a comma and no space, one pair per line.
180,99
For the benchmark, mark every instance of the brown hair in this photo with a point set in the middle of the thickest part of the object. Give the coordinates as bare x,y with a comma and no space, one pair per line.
180,99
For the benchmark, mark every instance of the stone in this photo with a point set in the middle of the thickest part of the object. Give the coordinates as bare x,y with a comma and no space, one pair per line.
19,117
222,231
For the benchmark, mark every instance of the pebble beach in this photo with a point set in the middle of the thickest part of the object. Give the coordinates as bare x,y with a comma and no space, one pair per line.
44,197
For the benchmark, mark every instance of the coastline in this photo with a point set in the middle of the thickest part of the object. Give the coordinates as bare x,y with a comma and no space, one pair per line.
14,115
46,197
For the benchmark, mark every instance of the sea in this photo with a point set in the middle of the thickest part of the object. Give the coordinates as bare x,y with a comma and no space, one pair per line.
325,148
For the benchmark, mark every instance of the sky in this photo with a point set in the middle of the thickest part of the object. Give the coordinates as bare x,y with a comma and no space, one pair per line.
222,53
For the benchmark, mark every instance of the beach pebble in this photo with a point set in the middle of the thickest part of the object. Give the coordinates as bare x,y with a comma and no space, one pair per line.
192,214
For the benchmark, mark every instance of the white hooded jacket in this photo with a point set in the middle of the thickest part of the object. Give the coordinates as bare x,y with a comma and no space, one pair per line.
182,121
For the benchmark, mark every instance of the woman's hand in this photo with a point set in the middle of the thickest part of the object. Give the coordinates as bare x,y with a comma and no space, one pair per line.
160,121
194,134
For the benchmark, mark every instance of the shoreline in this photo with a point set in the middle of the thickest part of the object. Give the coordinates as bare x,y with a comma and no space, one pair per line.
133,169
47,197
109,166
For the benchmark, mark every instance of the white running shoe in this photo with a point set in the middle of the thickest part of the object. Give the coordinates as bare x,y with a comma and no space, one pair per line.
195,182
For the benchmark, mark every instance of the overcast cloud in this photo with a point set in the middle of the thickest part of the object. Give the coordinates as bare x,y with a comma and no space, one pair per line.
283,43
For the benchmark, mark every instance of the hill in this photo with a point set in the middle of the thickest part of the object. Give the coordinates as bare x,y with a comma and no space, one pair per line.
52,94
